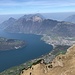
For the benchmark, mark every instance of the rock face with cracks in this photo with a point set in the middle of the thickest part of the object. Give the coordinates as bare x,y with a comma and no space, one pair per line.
63,64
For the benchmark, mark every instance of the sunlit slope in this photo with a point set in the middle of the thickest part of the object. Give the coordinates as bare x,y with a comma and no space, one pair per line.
61,65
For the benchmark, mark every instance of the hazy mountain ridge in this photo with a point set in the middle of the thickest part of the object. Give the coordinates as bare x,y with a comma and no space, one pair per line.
6,23
65,29
70,19
26,24
37,24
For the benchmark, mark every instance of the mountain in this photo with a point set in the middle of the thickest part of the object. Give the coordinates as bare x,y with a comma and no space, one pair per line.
30,16
64,29
63,64
26,24
37,24
6,23
70,19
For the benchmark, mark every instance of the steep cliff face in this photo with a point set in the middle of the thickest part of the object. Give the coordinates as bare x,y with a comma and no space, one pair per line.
61,65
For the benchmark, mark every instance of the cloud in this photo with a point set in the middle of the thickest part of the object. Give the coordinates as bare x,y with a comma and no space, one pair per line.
46,3
31,6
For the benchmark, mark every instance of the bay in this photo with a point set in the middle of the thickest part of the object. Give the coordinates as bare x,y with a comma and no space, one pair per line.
35,48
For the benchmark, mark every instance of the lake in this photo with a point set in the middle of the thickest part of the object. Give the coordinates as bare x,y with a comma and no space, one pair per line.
34,49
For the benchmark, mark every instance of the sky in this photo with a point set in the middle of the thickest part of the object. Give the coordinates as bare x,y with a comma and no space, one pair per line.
36,6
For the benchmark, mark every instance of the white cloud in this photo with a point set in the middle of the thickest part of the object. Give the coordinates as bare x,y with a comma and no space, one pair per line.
37,3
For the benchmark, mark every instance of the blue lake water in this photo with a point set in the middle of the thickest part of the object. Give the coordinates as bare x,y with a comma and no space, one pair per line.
35,48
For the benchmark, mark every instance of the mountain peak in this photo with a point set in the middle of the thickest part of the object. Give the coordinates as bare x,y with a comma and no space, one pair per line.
36,18
33,17
11,18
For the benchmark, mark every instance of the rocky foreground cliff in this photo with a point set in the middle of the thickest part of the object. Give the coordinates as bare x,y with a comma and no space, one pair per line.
63,64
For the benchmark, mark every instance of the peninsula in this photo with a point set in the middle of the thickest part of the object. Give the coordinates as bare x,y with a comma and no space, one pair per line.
10,44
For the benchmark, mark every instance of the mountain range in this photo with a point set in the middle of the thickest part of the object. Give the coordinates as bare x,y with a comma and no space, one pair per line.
37,24
70,19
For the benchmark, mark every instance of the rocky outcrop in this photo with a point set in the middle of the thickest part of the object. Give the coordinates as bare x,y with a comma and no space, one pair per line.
61,65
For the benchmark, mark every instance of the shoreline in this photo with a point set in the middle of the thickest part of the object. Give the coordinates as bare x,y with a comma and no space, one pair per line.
47,58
